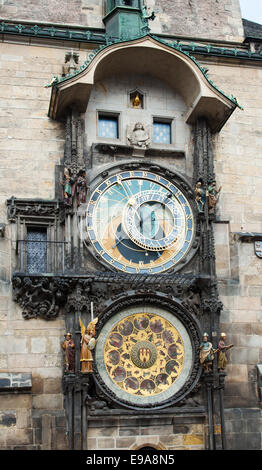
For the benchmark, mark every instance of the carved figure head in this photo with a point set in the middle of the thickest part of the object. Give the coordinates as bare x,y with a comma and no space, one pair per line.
138,126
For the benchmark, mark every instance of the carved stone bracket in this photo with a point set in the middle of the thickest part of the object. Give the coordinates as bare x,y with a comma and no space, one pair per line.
212,305
41,297
73,155
31,208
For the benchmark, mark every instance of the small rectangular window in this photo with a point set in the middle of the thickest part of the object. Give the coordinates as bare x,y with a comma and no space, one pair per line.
161,131
108,126
36,250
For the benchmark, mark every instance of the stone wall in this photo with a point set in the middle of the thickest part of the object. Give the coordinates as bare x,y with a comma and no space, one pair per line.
30,147
243,428
80,12
219,20
207,19
238,160
165,432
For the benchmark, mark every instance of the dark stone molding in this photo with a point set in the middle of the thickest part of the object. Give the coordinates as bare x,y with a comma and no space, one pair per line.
198,413
247,236
43,295
40,297
127,150
28,208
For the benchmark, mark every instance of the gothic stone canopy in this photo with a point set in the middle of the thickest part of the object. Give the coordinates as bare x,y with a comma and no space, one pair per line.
145,55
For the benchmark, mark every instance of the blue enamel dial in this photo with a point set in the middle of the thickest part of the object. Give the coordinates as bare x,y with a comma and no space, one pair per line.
139,222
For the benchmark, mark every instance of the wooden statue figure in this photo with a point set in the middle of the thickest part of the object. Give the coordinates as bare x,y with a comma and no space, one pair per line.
88,343
213,196
80,188
200,196
69,348
67,183
207,353
222,349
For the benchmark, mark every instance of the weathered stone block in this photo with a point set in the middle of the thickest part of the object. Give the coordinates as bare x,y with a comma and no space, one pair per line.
48,401
172,440
52,385
193,439
14,402
157,430
110,422
91,444
19,436
237,426
129,431
250,441
7,418
23,419
37,385
147,440
105,443
244,355
254,425
125,442
102,432
38,345
61,439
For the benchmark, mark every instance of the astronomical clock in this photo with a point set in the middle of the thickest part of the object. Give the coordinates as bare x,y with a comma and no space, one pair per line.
139,222
142,223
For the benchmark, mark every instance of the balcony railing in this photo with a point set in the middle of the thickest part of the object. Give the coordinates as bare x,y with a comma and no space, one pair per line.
41,256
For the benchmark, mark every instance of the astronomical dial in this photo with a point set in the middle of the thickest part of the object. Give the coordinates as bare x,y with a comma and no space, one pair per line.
140,222
144,355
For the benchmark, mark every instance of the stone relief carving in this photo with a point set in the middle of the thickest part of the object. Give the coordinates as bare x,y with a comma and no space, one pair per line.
71,63
138,135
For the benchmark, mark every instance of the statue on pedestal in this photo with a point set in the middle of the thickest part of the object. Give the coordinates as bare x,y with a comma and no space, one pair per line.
200,196
67,184
213,196
80,188
88,343
207,353
69,348
222,349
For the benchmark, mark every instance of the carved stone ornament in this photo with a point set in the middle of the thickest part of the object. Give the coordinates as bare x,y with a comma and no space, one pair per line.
258,248
212,305
138,136
40,297
31,208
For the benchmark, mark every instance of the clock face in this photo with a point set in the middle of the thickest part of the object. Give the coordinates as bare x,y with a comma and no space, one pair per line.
144,355
140,222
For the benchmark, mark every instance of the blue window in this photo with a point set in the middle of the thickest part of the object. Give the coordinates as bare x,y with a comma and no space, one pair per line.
161,132
36,250
108,126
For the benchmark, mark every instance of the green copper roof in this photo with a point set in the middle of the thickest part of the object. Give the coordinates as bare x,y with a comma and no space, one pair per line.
176,45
